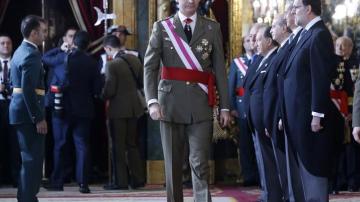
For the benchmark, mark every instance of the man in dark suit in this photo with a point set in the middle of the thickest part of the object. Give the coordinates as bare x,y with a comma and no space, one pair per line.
27,111
9,154
238,68
271,189
313,124
79,85
124,109
280,33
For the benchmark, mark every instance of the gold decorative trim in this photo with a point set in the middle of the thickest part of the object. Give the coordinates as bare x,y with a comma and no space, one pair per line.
125,11
152,14
235,27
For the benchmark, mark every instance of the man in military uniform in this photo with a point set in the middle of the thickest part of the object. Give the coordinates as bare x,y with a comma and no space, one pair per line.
122,76
189,48
27,111
121,32
346,168
238,69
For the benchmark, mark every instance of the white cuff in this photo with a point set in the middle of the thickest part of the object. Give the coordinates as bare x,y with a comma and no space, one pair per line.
151,101
321,115
225,110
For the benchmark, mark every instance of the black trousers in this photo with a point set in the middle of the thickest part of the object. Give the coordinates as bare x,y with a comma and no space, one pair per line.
9,148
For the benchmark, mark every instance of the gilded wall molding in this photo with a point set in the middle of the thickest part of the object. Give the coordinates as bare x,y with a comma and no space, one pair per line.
125,11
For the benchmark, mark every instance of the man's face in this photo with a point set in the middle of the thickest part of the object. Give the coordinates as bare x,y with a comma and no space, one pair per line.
188,7
41,34
276,31
262,42
247,44
343,47
290,18
69,36
252,36
121,36
300,12
5,46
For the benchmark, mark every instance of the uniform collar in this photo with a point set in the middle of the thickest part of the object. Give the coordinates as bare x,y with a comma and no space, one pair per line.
27,41
182,18
312,23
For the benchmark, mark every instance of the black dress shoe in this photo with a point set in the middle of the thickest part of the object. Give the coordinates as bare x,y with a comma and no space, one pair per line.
53,187
353,188
187,184
250,183
136,185
115,187
84,188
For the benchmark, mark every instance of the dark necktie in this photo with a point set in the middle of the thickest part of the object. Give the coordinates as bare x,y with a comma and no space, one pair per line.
5,71
291,37
187,29
303,32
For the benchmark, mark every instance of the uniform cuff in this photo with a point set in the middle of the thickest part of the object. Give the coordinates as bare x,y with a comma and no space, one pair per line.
321,115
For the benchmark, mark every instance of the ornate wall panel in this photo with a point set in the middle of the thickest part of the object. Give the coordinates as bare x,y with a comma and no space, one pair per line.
125,11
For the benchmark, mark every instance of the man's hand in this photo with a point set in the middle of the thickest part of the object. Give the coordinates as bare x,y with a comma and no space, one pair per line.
356,134
234,113
267,133
2,88
41,127
315,124
225,118
65,47
155,112
280,125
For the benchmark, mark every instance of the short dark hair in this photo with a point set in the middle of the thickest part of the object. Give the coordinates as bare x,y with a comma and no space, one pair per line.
2,34
268,35
81,40
70,28
315,6
111,41
29,23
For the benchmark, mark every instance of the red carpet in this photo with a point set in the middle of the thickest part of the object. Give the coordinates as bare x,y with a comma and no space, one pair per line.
154,193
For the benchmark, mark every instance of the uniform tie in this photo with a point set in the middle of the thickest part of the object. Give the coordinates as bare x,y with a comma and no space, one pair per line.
187,29
5,71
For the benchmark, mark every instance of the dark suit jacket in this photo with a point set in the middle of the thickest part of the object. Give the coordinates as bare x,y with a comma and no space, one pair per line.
83,84
271,94
254,87
307,78
249,74
26,73
120,87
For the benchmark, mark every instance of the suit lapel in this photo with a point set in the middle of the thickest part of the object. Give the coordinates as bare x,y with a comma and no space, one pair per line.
297,48
263,66
198,31
179,28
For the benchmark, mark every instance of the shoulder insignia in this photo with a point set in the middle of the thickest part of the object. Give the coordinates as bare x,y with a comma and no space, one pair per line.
171,16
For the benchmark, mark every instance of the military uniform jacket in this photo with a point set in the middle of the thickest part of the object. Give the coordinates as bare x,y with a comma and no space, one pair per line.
235,80
184,102
120,87
27,73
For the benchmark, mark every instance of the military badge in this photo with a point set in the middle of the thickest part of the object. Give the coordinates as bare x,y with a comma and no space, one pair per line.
210,47
204,42
199,48
205,56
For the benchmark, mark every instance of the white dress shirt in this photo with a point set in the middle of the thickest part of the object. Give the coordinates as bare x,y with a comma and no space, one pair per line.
2,72
192,24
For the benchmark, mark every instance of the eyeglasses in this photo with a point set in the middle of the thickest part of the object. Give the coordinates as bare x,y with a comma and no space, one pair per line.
296,7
